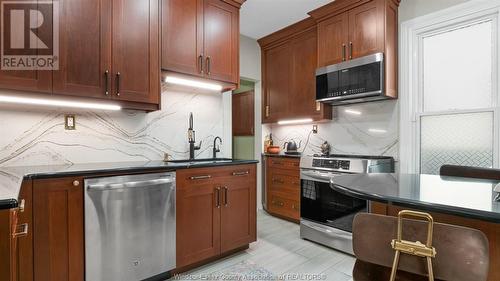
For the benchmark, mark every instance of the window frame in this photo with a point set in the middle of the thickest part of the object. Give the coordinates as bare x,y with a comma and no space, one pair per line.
413,33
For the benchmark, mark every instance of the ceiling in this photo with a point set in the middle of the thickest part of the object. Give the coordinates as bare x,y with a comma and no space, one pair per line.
263,17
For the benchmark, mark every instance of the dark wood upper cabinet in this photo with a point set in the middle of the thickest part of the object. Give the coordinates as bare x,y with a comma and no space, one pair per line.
182,43
366,30
336,29
58,224
289,59
84,48
136,67
359,28
221,41
243,112
201,38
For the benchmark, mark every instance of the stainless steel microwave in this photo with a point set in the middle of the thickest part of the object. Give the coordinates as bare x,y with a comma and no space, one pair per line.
354,81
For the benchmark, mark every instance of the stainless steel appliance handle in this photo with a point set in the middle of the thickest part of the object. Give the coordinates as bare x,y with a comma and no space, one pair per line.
317,176
131,184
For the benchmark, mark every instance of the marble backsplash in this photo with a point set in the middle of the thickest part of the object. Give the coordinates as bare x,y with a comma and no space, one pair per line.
38,137
362,129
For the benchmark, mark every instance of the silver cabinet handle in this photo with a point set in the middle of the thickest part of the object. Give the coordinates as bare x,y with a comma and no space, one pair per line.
200,62
200,177
350,50
225,197
343,52
241,173
209,65
23,232
132,184
22,206
217,197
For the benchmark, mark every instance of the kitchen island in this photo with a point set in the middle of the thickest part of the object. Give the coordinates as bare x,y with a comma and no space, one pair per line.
453,200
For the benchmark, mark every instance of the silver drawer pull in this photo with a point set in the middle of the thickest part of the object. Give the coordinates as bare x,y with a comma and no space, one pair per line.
22,206
131,184
200,177
21,231
241,173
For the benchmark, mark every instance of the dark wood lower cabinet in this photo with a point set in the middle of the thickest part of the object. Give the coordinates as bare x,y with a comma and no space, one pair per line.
216,212
58,222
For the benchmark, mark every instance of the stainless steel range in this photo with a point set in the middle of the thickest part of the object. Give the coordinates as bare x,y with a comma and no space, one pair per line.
327,215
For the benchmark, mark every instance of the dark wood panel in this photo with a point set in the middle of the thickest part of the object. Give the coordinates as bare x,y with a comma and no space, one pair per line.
84,48
182,36
58,224
221,41
277,73
333,38
198,218
366,29
7,245
243,112
30,80
24,254
136,51
238,214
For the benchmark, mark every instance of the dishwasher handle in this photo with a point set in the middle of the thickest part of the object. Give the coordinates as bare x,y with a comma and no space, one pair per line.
130,184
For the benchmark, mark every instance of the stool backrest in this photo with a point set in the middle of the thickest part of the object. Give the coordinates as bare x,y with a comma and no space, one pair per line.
462,253
469,172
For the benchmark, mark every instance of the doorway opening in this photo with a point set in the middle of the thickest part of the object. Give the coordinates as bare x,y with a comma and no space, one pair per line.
243,118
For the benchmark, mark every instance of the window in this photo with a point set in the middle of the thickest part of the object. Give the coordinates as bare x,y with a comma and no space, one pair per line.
449,90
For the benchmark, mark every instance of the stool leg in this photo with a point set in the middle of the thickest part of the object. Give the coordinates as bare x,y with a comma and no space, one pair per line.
429,269
395,265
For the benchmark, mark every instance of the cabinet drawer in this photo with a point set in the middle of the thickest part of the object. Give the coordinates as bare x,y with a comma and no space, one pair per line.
215,175
284,163
284,183
284,207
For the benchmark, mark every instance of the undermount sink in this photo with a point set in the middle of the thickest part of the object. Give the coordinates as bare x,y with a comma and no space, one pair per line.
202,161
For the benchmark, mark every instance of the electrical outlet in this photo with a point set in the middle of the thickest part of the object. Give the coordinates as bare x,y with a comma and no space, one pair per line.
315,129
70,122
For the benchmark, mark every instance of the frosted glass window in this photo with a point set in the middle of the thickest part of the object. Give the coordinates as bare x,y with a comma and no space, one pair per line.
457,68
457,139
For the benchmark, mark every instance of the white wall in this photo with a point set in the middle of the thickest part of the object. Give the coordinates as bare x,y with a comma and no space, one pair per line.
409,9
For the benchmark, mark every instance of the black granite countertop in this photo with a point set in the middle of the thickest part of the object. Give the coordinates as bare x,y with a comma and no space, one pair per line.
11,178
471,198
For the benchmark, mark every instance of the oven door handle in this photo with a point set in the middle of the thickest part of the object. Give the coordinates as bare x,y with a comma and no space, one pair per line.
317,176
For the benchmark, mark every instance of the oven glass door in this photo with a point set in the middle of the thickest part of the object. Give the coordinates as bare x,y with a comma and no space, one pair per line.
321,204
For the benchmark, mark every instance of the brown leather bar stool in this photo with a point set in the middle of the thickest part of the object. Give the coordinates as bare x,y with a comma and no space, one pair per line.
469,172
462,253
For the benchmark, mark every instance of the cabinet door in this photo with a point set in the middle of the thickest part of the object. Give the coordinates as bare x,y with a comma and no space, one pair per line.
333,38
135,59
182,36
238,215
198,217
302,97
243,114
221,41
58,223
277,82
29,80
366,29
84,48
24,254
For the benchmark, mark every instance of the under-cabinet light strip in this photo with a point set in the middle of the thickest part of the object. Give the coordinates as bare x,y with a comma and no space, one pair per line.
294,121
59,103
193,83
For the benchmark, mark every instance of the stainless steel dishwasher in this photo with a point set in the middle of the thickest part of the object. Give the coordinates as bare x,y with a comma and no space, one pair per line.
129,227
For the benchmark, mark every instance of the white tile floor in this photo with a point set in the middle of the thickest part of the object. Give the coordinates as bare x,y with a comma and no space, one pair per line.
280,251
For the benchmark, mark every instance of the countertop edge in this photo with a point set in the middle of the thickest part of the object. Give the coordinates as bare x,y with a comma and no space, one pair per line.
13,203
444,209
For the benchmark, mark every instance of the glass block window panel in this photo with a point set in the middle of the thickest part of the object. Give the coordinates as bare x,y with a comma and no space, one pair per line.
457,68
457,139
